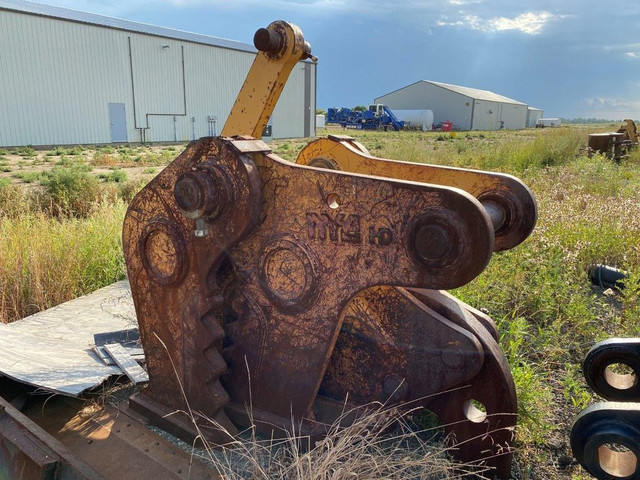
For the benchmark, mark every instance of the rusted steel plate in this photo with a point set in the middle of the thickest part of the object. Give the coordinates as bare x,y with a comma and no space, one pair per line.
509,202
480,414
426,348
392,346
27,452
324,236
173,260
116,445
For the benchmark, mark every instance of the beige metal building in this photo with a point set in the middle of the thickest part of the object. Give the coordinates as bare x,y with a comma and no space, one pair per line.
467,108
533,115
70,77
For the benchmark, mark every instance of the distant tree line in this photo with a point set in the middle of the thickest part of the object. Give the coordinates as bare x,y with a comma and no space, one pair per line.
588,120
357,108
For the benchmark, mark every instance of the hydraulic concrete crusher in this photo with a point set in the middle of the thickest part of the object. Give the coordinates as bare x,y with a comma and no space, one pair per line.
278,293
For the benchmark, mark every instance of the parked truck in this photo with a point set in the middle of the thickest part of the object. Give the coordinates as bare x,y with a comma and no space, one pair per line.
375,117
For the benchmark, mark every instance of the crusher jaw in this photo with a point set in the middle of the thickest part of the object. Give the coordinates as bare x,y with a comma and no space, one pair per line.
269,292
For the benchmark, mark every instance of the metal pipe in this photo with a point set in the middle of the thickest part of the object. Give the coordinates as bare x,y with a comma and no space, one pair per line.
175,129
184,96
133,95
496,213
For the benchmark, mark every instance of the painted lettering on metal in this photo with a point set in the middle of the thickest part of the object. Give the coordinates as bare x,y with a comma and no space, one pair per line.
340,228
344,228
380,236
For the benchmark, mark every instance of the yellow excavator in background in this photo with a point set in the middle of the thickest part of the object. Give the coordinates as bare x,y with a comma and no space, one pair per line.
629,131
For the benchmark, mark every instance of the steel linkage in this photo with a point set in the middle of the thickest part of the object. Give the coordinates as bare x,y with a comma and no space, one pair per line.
269,292
605,437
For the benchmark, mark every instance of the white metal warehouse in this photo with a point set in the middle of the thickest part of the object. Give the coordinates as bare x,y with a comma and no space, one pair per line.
467,108
533,115
70,77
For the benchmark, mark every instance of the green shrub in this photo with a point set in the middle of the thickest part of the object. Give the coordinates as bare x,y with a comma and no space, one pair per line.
116,176
105,149
27,151
77,150
72,191
30,177
128,189
66,161
103,159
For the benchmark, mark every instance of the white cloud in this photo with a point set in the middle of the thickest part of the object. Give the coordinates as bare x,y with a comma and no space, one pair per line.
614,108
464,2
613,104
530,23
629,50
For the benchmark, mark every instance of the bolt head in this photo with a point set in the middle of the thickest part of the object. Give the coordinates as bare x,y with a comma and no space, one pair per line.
434,239
189,192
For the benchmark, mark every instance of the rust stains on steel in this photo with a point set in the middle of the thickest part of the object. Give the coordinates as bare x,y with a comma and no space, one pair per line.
289,288
508,201
29,452
274,284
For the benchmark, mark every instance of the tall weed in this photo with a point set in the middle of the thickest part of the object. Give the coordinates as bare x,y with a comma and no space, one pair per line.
72,191
46,261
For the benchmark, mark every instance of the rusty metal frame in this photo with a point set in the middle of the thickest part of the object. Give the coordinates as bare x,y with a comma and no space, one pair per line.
28,452
268,291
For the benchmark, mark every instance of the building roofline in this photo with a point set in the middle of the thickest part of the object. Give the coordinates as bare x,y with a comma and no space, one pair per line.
476,93
401,88
33,8
469,94
444,87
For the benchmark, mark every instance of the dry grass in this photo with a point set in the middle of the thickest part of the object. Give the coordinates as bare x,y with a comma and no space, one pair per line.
370,442
382,443
47,260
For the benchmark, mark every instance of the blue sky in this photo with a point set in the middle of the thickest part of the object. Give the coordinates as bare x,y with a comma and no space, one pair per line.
570,58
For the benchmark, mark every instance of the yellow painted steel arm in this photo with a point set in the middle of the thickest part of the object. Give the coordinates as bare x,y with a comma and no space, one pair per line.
630,128
281,46
509,202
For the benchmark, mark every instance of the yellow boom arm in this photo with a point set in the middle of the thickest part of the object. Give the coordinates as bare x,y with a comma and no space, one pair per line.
281,46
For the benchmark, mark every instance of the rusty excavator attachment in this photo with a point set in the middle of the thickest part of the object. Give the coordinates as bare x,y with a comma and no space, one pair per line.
615,145
270,292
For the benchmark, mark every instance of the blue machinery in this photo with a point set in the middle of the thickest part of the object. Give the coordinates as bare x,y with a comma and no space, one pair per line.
374,118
